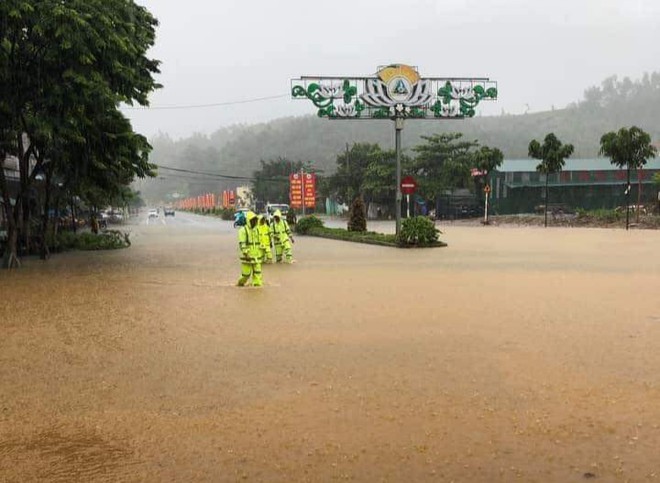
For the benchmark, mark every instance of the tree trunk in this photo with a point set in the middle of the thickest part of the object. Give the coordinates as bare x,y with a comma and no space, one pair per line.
73,217
10,259
44,224
56,218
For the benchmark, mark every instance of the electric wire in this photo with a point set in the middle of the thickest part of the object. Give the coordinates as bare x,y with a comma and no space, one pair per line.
203,106
279,179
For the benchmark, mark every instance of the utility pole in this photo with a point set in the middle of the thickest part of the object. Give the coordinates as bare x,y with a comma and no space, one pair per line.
302,188
398,127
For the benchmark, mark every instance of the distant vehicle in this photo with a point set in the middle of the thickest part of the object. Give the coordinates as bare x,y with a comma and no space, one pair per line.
272,208
168,211
115,216
153,213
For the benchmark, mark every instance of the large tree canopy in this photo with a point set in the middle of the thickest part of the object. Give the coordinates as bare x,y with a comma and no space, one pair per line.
352,166
65,67
443,162
627,148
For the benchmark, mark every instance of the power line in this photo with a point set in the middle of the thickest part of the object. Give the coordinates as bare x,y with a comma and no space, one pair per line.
202,106
206,173
218,176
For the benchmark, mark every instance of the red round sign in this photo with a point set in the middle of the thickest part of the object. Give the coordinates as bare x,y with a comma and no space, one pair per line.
408,185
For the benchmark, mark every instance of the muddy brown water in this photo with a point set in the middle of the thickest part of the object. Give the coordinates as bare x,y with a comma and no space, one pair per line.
514,354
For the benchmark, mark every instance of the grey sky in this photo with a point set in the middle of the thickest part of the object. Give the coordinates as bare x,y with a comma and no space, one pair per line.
543,53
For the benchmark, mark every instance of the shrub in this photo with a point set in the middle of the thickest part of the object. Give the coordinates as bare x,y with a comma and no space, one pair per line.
307,223
107,240
357,218
227,214
418,231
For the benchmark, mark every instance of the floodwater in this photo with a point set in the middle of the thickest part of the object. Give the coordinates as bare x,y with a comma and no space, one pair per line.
515,354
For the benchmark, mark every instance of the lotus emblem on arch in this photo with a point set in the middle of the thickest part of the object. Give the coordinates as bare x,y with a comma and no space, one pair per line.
397,87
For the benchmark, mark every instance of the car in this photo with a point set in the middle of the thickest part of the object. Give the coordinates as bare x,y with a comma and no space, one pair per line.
272,208
115,217
153,213
168,211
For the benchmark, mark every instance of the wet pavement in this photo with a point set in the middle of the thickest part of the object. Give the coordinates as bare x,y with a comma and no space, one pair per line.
513,354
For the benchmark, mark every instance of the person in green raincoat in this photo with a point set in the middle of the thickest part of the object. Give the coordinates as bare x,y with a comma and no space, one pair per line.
249,247
282,238
265,240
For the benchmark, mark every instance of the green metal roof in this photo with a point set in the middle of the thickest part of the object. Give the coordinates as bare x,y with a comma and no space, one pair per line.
539,184
597,164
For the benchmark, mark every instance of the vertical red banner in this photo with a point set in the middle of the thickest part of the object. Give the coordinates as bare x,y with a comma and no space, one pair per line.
295,190
310,190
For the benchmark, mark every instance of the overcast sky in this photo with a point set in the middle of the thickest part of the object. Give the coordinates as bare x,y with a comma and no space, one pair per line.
542,53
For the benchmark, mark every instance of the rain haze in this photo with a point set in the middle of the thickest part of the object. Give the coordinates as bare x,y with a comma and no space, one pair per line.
476,315
543,54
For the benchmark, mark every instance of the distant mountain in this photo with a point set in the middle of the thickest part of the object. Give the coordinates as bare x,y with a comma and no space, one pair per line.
237,150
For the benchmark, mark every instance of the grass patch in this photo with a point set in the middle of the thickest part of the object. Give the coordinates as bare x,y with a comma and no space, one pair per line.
419,233
368,237
602,215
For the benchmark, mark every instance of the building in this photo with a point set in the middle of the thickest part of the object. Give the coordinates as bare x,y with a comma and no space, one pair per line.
244,197
10,167
583,183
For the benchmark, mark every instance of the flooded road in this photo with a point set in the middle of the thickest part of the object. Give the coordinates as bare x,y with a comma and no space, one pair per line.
514,354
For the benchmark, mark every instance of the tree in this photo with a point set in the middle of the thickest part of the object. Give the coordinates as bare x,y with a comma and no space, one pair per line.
442,163
346,184
552,155
630,149
487,160
270,184
379,183
64,69
357,218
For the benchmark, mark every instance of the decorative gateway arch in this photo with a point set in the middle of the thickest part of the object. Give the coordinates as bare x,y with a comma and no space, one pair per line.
396,93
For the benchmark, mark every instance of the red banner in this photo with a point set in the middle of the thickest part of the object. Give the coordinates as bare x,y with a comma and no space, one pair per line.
310,190
295,190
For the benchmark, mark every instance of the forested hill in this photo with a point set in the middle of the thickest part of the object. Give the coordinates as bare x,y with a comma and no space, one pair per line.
237,150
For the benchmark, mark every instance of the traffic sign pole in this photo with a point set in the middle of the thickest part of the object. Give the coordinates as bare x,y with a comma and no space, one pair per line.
408,186
486,196
486,210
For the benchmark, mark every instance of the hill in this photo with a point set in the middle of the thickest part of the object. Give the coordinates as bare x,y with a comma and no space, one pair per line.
237,150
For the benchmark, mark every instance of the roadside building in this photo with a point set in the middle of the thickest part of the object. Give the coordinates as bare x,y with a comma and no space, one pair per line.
244,197
583,183
10,168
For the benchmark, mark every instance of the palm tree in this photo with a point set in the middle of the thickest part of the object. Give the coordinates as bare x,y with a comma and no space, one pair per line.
630,149
552,155
487,160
